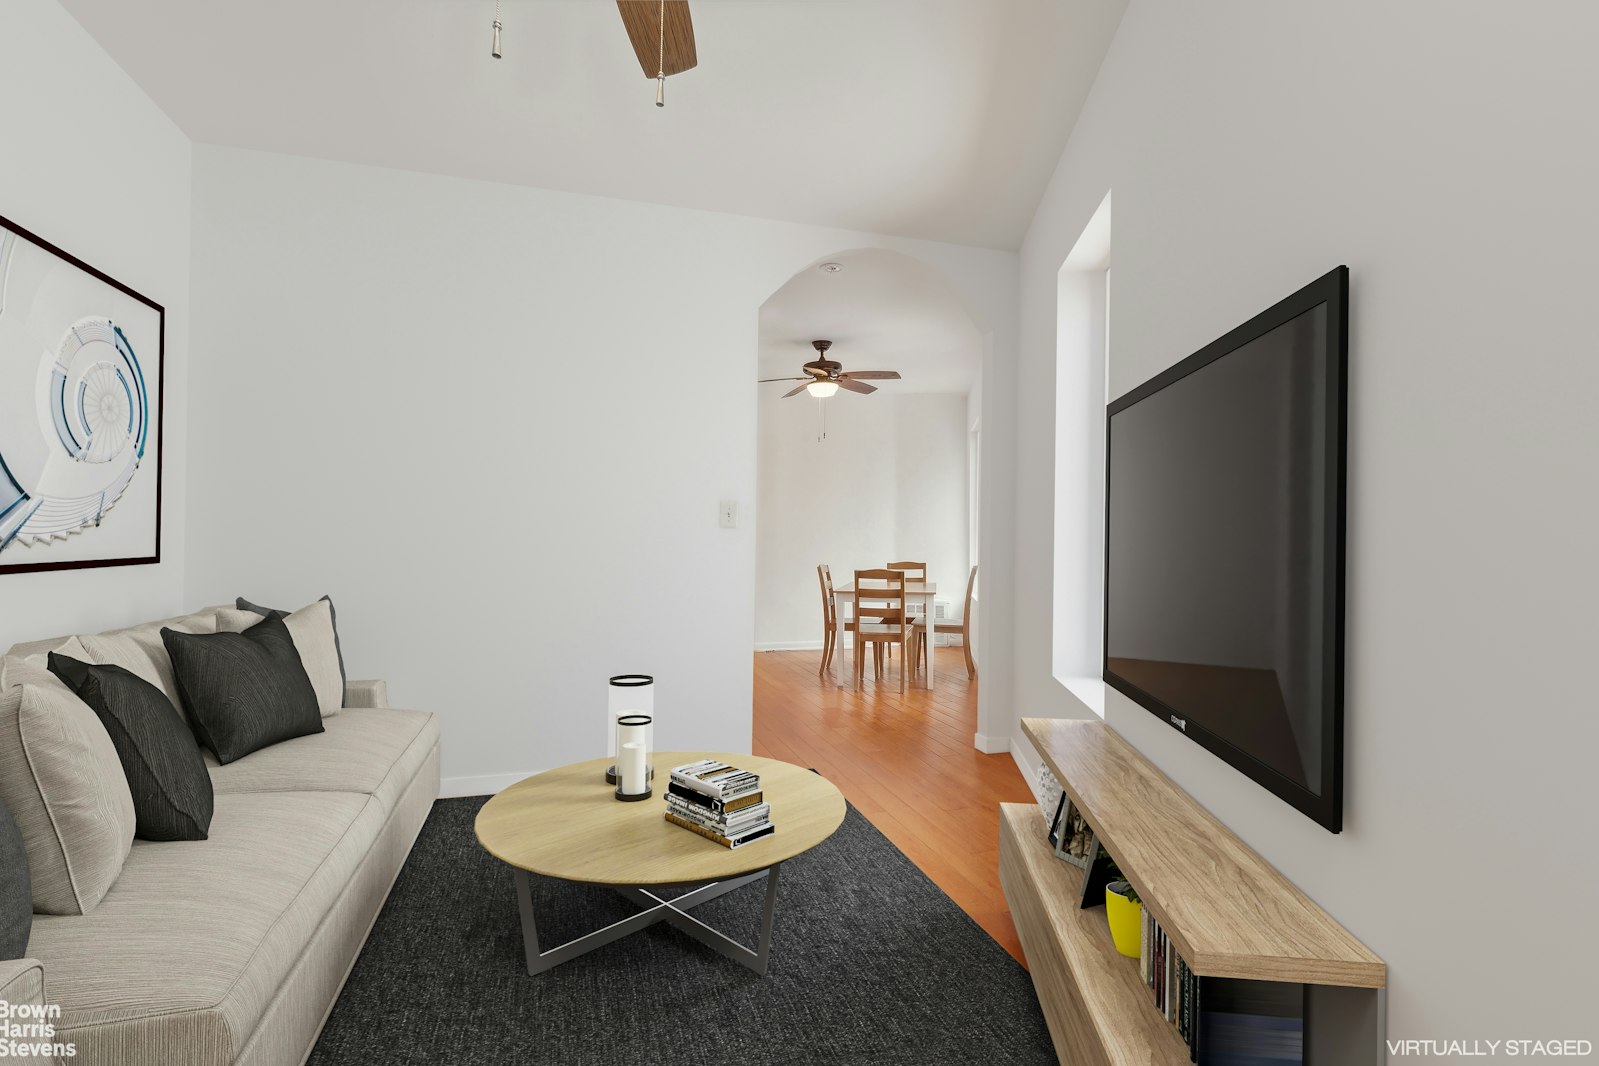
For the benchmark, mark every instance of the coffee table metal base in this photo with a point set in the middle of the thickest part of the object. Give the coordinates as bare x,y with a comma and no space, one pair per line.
673,911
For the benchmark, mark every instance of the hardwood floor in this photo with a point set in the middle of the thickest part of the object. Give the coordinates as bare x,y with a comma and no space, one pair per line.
906,762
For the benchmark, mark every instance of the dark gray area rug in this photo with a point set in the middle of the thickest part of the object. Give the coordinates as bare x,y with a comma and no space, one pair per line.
871,963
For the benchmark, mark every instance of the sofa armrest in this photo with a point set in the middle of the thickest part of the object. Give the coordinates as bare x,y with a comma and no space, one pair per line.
22,983
366,693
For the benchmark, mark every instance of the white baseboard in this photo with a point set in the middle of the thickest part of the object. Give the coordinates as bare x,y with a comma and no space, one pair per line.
990,745
1027,760
481,785
790,645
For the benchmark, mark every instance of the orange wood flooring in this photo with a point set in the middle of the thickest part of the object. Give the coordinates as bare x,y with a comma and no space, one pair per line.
906,763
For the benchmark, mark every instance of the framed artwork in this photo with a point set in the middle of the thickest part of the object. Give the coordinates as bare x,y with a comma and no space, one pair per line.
81,362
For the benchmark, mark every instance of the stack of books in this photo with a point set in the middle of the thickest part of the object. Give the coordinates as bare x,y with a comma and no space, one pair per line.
719,802
1175,988
1223,1019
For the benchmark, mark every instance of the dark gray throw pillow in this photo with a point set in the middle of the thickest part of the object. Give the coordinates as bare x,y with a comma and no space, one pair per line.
243,691
172,797
333,614
16,891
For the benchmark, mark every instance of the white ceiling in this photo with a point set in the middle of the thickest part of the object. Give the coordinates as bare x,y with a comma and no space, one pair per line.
883,311
939,119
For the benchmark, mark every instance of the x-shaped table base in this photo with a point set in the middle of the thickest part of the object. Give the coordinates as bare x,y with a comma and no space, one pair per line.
674,912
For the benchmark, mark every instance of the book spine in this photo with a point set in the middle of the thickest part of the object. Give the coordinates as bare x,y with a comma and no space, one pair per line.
728,826
1182,998
704,831
766,829
722,784
1193,1032
1143,944
748,799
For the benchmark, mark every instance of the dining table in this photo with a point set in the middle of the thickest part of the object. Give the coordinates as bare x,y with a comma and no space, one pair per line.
915,592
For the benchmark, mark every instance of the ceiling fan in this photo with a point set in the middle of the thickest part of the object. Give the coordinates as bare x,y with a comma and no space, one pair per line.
825,376
661,32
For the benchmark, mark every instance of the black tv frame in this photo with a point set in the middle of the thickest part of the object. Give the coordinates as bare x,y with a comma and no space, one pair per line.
1326,809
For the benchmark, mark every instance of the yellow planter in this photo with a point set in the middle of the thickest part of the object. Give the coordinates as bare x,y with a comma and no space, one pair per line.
1126,920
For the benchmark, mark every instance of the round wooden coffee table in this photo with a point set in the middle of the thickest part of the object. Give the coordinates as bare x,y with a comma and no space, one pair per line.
567,824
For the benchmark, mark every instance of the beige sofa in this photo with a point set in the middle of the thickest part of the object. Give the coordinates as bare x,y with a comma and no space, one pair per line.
233,949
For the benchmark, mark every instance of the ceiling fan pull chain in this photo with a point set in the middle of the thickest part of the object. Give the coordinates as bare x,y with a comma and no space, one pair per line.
660,68
495,51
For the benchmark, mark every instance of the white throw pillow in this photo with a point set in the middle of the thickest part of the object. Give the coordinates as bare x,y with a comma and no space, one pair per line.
62,780
311,627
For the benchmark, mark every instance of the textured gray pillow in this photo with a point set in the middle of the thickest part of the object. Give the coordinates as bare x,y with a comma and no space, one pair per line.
243,691
16,893
172,795
338,649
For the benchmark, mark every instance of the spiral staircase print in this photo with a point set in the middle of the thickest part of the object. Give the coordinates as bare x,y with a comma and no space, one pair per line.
75,414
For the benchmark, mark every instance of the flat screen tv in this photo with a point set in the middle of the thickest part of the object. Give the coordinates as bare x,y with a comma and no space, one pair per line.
1224,547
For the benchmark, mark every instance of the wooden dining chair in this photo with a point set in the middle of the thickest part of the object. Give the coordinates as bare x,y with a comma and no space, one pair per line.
881,620
912,572
921,646
824,575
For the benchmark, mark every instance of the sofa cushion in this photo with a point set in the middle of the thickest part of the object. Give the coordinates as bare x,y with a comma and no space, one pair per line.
171,790
16,895
26,663
185,953
140,650
314,638
374,751
243,691
62,780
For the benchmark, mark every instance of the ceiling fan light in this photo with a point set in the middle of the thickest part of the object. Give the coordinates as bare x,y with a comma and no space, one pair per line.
822,389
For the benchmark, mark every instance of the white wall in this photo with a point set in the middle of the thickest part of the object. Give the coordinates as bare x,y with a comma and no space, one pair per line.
930,490
888,483
1432,147
495,423
93,167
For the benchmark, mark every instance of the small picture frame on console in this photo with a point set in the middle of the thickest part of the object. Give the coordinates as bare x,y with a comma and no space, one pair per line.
1071,835
1054,823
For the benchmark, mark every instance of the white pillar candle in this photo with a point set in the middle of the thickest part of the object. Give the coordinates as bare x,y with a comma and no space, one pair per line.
630,768
628,694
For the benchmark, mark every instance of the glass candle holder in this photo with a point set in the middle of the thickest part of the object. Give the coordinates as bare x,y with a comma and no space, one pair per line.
628,694
633,757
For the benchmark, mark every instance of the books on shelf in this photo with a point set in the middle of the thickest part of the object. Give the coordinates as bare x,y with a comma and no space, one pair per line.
1222,1020
719,802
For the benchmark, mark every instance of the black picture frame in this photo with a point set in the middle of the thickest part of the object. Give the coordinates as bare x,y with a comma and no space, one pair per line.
1327,807
1054,823
160,409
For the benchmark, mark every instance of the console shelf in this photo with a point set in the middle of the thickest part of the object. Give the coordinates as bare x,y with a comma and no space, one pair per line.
1096,1005
1228,912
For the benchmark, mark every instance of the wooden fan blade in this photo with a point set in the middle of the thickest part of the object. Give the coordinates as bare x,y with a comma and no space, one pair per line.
794,392
643,21
763,381
856,386
873,375
815,371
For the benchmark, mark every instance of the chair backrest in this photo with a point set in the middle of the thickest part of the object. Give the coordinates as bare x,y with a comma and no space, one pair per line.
824,576
912,571
971,586
880,595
